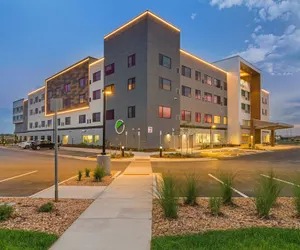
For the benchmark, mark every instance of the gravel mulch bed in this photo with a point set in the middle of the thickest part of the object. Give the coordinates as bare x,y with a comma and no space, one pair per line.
27,217
89,181
240,215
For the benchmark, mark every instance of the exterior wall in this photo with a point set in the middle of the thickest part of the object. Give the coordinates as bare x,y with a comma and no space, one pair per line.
18,111
36,100
265,115
22,126
245,117
232,66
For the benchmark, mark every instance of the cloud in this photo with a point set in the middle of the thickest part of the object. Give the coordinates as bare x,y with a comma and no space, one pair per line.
246,41
193,16
257,29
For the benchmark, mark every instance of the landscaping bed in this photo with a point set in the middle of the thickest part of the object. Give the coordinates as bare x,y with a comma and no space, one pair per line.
248,238
176,155
242,214
27,217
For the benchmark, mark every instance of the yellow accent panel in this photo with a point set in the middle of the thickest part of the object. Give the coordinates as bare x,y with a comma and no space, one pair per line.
201,60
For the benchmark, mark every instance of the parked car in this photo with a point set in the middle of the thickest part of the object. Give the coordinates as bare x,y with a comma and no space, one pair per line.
37,145
25,144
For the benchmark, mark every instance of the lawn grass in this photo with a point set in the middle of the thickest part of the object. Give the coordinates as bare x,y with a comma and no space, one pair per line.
247,238
25,240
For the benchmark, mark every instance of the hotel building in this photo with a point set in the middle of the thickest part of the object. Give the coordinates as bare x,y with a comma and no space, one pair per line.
161,95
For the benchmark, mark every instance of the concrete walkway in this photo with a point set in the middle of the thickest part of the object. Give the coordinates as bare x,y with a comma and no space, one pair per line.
120,218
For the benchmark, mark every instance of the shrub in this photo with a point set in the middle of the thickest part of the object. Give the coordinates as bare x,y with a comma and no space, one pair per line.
166,196
87,172
297,197
215,205
266,192
5,212
79,175
226,187
191,189
46,208
99,173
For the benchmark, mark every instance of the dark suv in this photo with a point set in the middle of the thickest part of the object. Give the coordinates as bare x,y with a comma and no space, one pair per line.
37,145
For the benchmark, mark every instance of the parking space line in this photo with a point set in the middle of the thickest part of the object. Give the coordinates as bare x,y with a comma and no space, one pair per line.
18,176
238,192
287,182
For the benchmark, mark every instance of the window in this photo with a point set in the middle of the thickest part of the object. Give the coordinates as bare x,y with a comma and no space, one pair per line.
36,138
97,76
43,124
131,83
243,92
31,112
82,119
217,83
243,106
36,99
109,69
110,114
131,111
207,118
43,109
67,87
131,61
58,91
110,88
96,117
197,75
68,121
217,119
31,138
67,103
36,111
43,96
58,122
31,101
164,112
207,97
81,98
266,112
87,139
207,79
30,125
49,94
49,137
36,124
49,123
217,99
185,71
198,94
197,117
186,115
225,101
225,85
82,82
96,94
96,138
164,84
165,61
186,91
225,120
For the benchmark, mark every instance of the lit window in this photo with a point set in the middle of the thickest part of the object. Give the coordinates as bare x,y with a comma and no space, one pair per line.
96,138
225,120
198,94
186,115
82,119
186,91
97,76
207,97
197,117
81,98
87,139
164,84
197,76
208,79
165,61
217,99
131,112
207,118
110,88
96,94
185,71
217,119
164,112
131,83
131,61
109,69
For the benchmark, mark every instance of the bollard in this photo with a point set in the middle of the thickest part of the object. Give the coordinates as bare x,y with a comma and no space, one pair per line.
160,151
123,151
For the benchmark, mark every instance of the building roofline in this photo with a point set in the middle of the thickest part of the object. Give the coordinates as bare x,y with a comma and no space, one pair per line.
71,67
266,91
203,61
36,90
21,99
147,12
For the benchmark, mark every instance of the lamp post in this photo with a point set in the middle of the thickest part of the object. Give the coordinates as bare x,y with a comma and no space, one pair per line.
105,92
211,128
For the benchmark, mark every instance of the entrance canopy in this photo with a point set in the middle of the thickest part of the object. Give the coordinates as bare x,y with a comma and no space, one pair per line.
258,124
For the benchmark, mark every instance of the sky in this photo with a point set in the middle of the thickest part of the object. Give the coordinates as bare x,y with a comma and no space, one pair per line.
41,37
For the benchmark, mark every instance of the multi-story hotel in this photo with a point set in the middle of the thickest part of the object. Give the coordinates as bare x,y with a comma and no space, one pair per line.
160,95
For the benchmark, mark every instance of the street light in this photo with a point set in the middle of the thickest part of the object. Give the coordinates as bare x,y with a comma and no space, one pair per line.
105,93
211,128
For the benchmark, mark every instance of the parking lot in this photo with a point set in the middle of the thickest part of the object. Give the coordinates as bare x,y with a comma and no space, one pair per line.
248,169
24,173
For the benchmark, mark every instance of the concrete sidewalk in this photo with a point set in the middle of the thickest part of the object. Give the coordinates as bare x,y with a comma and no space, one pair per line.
120,218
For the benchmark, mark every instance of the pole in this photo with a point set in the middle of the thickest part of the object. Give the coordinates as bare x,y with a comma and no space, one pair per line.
210,138
56,157
104,121
126,140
